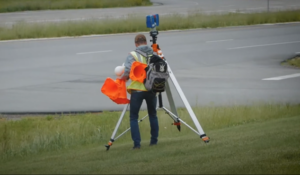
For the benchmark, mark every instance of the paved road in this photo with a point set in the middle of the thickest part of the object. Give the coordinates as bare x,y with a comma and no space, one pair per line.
162,7
221,66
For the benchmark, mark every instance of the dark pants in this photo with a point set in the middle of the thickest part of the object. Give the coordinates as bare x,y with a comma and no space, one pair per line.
136,101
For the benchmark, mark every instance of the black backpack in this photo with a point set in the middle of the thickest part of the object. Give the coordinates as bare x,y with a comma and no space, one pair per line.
156,72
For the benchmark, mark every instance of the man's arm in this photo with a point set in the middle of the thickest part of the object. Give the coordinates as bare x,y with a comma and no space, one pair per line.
128,62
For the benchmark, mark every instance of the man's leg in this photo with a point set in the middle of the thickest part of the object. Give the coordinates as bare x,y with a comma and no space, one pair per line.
151,101
136,100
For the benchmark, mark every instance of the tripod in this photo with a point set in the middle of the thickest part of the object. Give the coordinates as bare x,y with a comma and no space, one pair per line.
173,112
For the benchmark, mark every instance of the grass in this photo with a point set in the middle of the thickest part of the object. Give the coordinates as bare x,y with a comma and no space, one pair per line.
24,5
135,23
257,139
293,62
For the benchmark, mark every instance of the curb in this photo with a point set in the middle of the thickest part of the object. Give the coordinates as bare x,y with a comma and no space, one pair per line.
48,113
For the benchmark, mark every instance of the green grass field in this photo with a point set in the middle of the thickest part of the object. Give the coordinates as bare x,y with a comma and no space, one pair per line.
136,23
25,5
294,62
256,139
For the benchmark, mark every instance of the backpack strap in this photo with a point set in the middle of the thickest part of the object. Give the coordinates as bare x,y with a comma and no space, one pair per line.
144,54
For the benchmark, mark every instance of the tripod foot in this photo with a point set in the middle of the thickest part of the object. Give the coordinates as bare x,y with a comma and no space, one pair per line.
108,145
177,124
205,138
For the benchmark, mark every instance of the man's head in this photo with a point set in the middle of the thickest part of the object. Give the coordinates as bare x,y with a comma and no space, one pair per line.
140,39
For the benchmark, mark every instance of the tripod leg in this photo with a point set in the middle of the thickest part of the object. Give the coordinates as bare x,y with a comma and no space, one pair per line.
172,105
176,121
170,99
179,120
188,107
115,138
130,128
116,128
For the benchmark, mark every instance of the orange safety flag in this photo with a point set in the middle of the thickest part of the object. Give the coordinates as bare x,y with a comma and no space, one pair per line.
115,90
137,71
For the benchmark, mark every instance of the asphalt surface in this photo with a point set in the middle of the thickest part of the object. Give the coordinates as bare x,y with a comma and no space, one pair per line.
162,7
213,66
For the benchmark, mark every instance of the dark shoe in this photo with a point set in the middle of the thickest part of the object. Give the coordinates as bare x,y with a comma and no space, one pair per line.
134,148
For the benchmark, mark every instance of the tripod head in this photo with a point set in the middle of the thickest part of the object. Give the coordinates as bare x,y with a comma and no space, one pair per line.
153,34
152,22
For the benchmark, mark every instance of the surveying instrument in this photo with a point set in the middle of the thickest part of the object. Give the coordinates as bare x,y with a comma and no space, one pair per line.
152,22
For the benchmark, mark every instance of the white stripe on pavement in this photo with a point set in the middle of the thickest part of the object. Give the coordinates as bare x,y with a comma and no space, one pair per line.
82,53
244,47
219,41
283,77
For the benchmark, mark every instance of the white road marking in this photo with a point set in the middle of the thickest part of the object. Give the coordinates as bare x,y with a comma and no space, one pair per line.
283,77
273,44
82,53
297,52
218,41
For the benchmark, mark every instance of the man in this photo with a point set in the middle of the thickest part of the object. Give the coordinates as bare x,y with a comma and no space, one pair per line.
139,93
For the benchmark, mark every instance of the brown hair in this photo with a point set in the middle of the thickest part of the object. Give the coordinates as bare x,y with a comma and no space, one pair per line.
140,39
